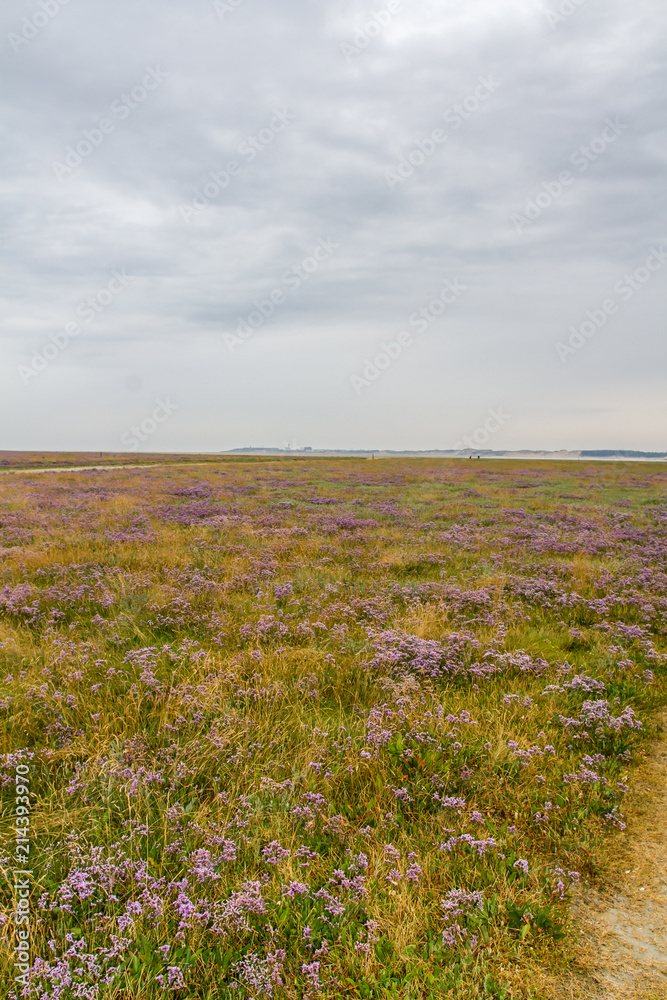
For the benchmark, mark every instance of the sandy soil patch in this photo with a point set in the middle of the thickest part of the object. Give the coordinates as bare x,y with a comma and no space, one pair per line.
623,933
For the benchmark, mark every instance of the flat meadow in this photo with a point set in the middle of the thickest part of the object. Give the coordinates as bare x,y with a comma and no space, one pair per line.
316,728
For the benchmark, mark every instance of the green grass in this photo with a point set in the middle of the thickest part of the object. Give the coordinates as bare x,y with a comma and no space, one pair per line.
172,699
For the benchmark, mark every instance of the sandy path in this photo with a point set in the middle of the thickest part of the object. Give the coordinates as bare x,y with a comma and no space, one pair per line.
95,468
624,934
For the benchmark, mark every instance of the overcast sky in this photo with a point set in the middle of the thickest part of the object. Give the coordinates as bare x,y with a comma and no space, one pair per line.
445,188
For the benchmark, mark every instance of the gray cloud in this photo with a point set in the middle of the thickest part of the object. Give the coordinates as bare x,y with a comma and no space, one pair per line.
218,83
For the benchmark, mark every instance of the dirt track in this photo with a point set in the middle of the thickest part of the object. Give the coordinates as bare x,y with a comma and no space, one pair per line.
623,936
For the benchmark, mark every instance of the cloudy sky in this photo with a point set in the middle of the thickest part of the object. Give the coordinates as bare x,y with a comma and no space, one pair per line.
336,223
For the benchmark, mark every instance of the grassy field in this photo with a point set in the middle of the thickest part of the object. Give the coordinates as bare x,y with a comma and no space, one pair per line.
63,459
319,728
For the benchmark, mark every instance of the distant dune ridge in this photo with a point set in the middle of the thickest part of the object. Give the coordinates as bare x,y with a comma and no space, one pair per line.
604,454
